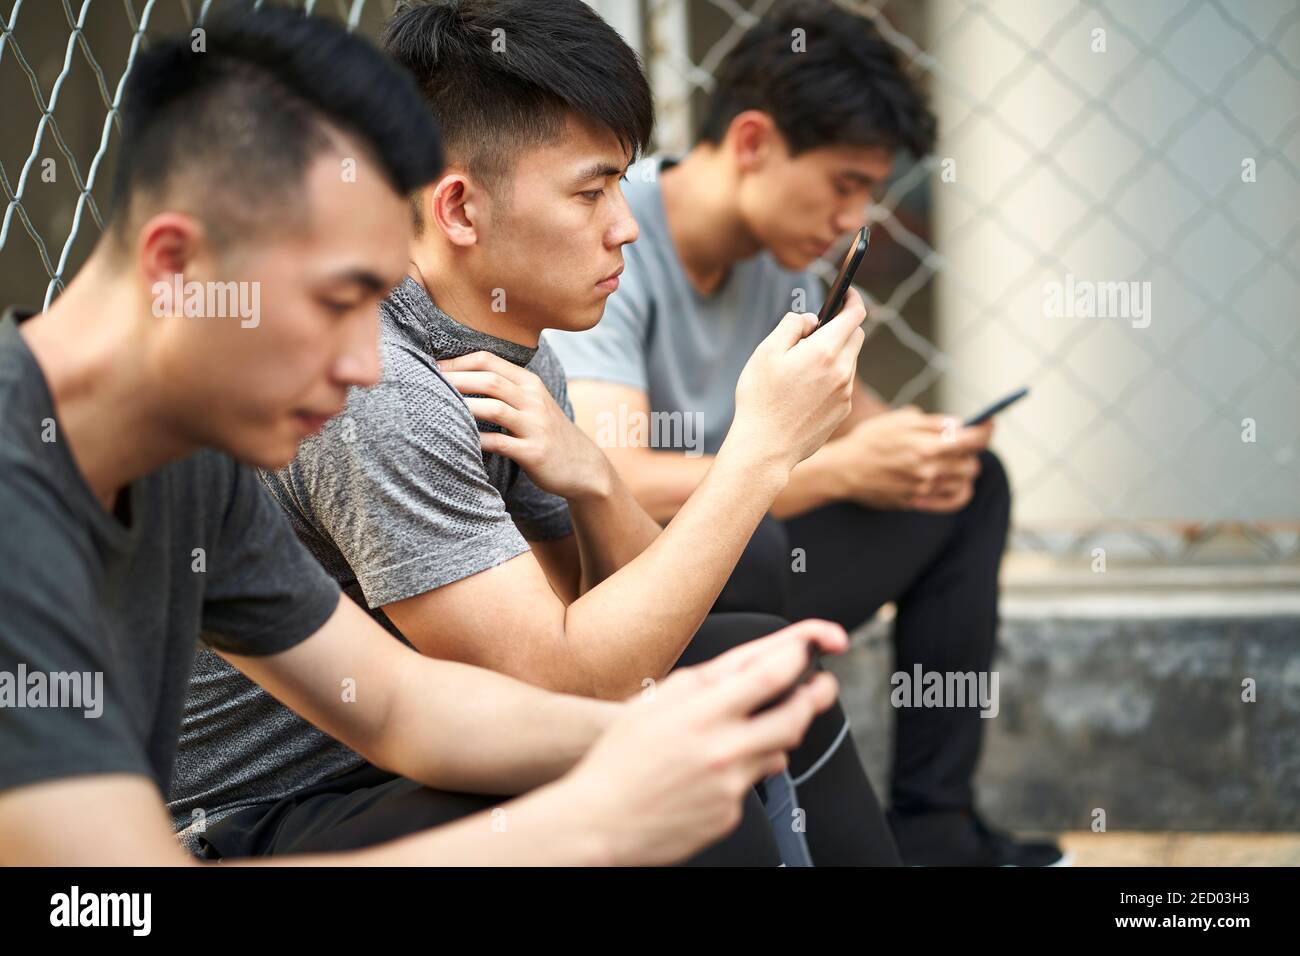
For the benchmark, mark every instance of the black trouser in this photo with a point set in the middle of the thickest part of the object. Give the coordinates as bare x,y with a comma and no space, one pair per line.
843,824
942,572
370,806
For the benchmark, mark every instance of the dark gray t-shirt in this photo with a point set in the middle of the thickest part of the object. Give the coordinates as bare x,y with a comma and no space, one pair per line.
89,599
395,498
659,335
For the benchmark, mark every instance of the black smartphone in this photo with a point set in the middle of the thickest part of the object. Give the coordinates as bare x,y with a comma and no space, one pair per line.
996,407
840,287
807,674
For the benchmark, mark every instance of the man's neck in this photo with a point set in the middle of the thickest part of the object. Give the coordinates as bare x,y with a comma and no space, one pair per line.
484,310
704,218
94,357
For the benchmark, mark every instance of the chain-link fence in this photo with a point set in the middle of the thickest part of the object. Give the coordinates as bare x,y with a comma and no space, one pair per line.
1143,157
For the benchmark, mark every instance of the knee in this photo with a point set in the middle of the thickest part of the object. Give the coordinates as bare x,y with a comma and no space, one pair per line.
992,483
721,632
767,553
760,579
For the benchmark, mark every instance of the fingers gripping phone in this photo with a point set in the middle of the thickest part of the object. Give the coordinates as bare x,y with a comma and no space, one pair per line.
840,287
808,673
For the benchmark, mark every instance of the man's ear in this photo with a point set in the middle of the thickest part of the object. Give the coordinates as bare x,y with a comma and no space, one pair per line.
453,205
169,244
752,137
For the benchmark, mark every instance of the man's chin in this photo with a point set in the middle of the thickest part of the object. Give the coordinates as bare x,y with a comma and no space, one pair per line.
794,261
268,453
579,320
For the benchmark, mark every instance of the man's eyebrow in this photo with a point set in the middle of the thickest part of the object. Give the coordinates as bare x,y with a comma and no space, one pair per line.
370,281
862,179
600,169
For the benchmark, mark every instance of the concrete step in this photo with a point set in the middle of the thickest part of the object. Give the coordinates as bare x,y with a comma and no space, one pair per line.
1123,693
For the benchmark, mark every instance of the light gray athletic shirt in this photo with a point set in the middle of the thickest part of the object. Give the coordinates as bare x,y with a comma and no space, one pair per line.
659,335
395,497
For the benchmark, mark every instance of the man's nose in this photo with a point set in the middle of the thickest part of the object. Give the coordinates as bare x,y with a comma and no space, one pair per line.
358,363
851,219
625,228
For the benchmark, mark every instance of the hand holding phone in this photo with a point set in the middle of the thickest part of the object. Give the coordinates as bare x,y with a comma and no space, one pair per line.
807,674
840,287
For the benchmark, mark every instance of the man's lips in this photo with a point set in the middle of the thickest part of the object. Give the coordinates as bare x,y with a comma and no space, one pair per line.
610,282
315,421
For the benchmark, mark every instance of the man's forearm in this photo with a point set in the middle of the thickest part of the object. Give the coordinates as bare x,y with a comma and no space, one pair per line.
635,624
664,480
495,734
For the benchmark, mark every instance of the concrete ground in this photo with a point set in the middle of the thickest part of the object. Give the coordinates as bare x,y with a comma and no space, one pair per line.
1182,849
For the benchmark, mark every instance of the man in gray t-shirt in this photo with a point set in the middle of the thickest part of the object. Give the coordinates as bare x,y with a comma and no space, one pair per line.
394,498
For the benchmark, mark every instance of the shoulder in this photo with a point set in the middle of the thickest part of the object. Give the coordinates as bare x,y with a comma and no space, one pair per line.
46,544
24,405
413,397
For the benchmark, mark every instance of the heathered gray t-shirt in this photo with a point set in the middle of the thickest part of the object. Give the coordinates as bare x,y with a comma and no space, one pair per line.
395,497
659,335
115,603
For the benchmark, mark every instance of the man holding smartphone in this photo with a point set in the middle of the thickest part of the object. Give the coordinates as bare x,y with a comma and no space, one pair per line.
900,505
134,521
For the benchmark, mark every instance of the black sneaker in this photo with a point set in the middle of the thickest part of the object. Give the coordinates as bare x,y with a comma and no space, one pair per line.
961,838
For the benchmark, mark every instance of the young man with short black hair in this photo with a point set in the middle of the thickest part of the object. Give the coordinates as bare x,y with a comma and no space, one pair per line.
806,115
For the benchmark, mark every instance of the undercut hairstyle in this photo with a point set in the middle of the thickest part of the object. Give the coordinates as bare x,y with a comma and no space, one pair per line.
500,76
846,85
227,132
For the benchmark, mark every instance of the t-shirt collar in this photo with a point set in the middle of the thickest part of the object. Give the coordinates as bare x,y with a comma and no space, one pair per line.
410,306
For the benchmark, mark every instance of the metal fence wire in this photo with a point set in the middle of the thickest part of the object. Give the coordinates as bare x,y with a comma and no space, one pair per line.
1100,142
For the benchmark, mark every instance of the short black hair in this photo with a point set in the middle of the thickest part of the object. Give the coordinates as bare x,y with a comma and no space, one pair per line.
236,123
500,75
847,86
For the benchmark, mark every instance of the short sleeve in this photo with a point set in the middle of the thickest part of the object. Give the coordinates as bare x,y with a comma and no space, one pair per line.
615,349
398,486
264,592
51,624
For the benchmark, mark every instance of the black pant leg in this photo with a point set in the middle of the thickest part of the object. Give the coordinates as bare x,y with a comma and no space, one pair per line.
843,820
760,582
371,806
942,571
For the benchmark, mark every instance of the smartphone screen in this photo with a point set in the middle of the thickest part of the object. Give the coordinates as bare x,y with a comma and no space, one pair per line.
840,287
